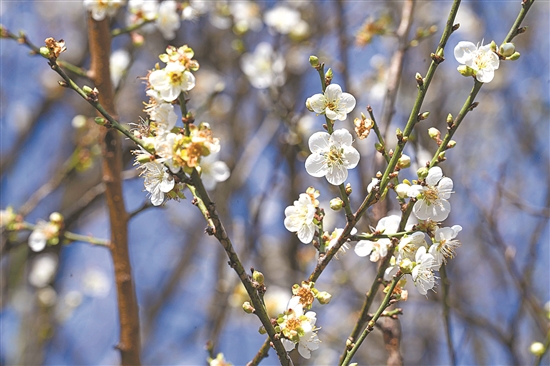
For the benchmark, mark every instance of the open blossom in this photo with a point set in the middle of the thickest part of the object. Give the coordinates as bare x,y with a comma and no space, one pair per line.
171,81
298,328
102,8
332,156
157,181
245,16
481,59
422,272
379,248
335,104
140,11
432,198
282,19
264,67
444,243
164,116
42,233
168,20
213,171
299,218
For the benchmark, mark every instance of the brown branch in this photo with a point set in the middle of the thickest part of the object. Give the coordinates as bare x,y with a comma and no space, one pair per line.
100,50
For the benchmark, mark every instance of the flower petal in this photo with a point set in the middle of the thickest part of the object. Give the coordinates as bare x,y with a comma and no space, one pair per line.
434,175
319,142
316,165
318,103
333,92
363,248
337,175
341,137
463,51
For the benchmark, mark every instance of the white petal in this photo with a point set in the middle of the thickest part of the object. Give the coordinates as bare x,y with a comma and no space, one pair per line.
341,137
434,175
486,75
334,115
220,171
337,175
351,156
441,212
304,351
319,142
390,272
347,102
363,248
421,210
318,103
288,345
306,233
463,51
316,165
37,241
445,188
333,92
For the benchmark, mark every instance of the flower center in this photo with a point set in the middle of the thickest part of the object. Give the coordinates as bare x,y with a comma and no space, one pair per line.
482,59
334,156
332,105
431,195
293,324
176,78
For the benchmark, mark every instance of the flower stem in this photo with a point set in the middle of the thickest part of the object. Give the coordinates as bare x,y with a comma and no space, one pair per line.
370,326
118,31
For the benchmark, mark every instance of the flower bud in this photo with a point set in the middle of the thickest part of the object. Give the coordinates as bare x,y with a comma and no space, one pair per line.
314,61
56,218
419,79
449,119
434,133
537,348
493,46
328,76
402,190
336,204
86,89
514,56
44,51
379,147
507,49
249,309
422,173
100,121
399,133
348,189
143,158
465,70
308,105
423,116
324,297
441,156
406,266
451,144
258,277
262,330
404,161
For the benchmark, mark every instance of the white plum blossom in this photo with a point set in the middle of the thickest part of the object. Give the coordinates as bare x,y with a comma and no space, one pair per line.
245,16
43,231
299,328
422,272
171,81
102,8
333,103
168,20
282,19
379,248
213,171
120,59
444,243
432,198
300,218
481,59
43,270
164,116
157,181
142,10
264,67
332,156
335,236
372,184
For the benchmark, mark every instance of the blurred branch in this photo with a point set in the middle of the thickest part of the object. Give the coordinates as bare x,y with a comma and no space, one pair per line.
100,51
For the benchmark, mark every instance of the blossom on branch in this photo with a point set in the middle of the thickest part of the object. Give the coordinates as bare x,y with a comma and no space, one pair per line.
300,218
444,243
158,181
481,60
102,8
171,81
432,198
332,156
298,328
264,67
335,104
168,20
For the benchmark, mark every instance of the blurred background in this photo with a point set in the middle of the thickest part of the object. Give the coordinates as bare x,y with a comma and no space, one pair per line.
58,307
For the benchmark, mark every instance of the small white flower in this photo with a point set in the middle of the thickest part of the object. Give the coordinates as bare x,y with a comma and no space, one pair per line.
245,15
377,249
422,273
335,104
402,190
372,184
43,270
102,8
432,199
283,19
213,171
408,245
332,156
165,117
335,236
140,11
171,81
168,20
481,59
444,245
264,67
157,181
42,232
299,218
120,59
299,328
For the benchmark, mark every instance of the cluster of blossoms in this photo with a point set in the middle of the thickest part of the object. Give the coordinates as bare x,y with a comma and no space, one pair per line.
46,232
298,326
175,149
